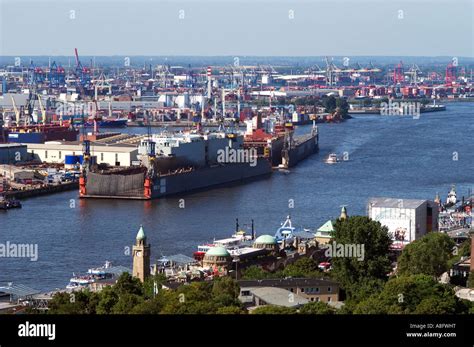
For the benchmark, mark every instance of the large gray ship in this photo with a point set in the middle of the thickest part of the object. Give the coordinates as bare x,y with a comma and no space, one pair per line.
176,164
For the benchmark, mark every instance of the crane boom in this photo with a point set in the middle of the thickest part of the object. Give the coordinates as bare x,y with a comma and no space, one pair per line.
17,112
43,110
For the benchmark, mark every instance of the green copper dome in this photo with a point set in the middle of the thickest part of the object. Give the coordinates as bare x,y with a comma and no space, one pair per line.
266,240
141,234
218,251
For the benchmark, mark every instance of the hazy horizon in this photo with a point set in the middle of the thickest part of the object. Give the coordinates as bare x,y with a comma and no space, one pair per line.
262,28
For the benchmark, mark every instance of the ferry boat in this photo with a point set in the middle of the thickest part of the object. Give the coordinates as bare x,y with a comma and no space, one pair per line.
93,275
6,203
237,240
80,282
331,159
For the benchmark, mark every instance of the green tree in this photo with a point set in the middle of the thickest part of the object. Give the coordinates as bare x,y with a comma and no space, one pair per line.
272,309
428,255
419,294
342,106
255,272
108,298
361,231
79,302
303,267
230,310
126,284
329,103
126,303
225,285
464,250
316,308
195,298
150,283
470,279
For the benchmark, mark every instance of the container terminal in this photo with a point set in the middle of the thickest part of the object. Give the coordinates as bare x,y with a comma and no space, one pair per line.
54,115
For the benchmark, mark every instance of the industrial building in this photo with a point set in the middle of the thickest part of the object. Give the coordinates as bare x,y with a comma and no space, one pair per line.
407,220
117,150
16,174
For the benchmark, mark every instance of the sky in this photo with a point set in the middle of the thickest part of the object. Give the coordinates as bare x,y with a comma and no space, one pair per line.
237,27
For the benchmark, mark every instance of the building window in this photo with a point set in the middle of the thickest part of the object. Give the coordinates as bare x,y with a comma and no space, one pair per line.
302,290
312,299
101,156
317,299
329,299
45,154
291,290
317,289
329,289
60,154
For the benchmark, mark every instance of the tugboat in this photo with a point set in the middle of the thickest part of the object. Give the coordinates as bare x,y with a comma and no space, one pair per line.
6,204
332,159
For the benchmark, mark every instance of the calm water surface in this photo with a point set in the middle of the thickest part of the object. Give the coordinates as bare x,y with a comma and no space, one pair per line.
394,156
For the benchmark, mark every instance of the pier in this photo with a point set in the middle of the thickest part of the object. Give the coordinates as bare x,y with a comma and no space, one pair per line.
49,189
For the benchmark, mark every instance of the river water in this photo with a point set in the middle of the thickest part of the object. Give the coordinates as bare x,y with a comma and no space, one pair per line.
391,156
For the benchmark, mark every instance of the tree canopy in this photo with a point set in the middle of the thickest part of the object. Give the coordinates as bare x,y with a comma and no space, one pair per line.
351,272
428,255
414,294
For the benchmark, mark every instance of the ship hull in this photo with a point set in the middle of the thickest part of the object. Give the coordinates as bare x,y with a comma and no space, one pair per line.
305,146
118,186
42,136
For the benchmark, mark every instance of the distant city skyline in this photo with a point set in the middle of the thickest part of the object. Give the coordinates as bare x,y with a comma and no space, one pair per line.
237,28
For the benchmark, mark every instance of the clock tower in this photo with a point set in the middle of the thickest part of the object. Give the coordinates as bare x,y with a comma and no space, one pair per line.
141,256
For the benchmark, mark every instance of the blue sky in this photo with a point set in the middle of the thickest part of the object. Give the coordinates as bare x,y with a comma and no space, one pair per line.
238,27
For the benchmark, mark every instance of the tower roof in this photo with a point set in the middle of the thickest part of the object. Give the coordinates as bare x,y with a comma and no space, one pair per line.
141,233
343,212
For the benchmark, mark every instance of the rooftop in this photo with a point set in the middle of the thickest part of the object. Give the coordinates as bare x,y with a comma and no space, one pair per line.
266,239
396,203
287,282
278,296
218,251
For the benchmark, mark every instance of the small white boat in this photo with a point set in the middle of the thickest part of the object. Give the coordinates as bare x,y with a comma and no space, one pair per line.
332,159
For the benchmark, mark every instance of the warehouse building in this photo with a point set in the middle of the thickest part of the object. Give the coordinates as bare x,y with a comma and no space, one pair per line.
56,152
407,220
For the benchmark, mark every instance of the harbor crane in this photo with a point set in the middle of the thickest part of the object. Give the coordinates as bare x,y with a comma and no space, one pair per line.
414,72
398,76
43,110
17,111
82,72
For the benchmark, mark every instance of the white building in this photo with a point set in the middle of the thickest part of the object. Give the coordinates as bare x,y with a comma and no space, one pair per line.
113,155
407,220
